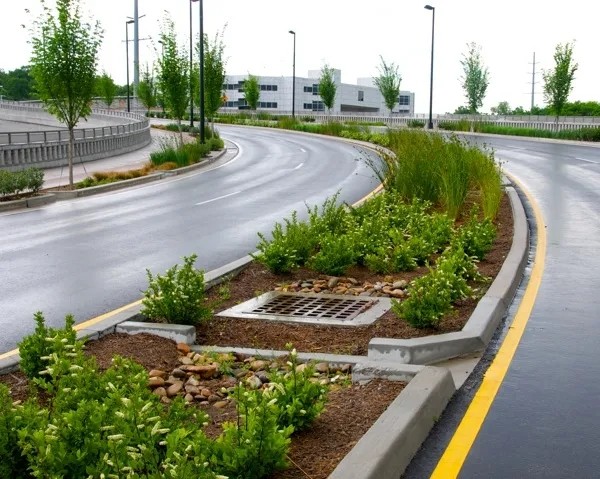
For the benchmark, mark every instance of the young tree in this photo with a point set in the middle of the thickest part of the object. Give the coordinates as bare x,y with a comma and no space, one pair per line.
63,65
147,89
558,82
475,77
503,108
173,74
214,75
106,88
327,87
388,83
252,91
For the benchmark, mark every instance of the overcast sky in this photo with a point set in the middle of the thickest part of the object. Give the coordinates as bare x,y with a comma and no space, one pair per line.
351,35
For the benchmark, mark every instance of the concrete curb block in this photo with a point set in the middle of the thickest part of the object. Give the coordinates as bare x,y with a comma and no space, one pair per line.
179,333
390,444
485,318
36,201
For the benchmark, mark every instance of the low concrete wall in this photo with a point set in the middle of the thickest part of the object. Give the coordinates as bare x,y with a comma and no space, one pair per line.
44,149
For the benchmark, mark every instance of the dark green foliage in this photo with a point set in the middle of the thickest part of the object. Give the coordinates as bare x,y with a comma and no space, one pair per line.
12,464
336,254
476,237
413,123
15,182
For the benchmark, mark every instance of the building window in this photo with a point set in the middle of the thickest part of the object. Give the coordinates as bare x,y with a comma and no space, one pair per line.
231,104
267,104
308,106
318,106
361,95
404,100
315,89
268,87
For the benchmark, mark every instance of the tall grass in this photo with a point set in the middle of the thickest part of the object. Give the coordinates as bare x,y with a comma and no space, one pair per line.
446,172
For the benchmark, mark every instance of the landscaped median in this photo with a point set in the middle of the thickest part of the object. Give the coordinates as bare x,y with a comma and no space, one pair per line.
422,256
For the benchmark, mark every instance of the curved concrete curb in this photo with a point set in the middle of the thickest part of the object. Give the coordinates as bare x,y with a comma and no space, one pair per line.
485,318
36,201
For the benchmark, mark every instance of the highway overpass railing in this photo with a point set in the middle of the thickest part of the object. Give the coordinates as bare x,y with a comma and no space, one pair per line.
120,132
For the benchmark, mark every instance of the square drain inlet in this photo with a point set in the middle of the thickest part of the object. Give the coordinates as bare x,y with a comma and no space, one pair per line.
311,308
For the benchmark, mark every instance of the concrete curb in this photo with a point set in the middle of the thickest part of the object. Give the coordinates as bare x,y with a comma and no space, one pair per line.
37,201
485,318
390,444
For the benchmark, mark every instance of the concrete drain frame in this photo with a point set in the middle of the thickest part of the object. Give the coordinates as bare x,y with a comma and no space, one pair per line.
311,308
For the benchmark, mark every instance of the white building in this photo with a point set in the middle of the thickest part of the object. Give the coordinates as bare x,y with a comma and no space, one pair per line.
276,96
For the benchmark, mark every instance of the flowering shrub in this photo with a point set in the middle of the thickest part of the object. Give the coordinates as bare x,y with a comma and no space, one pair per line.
178,296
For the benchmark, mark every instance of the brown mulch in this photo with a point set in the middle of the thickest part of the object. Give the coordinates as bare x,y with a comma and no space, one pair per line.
350,410
349,413
257,279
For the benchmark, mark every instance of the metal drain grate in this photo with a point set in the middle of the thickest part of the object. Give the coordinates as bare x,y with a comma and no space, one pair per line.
314,307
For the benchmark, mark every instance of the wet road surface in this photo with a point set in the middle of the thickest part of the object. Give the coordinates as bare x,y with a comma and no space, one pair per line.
88,256
544,421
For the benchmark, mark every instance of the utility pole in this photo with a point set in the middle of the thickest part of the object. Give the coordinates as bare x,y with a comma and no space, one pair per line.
533,82
136,48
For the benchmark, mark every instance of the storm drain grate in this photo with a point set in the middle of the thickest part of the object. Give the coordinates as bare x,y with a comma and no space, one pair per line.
314,307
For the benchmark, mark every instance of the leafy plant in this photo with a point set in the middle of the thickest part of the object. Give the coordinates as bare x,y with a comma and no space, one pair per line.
177,296
255,445
11,463
476,237
43,342
335,255
300,400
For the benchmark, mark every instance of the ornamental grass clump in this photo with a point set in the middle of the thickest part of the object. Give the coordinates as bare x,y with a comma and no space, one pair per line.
177,296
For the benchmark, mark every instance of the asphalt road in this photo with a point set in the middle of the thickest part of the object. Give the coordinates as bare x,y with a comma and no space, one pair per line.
88,256
544,421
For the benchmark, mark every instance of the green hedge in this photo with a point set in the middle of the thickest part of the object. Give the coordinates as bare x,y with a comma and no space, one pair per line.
15,182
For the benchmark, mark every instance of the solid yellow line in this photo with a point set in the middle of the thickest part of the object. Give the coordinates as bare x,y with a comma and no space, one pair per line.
97,319
454,457
85,324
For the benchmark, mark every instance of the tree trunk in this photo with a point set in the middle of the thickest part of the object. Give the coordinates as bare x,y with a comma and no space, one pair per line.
70,153
180,132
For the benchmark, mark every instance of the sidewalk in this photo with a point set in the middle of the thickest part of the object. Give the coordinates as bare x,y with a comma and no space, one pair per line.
59,176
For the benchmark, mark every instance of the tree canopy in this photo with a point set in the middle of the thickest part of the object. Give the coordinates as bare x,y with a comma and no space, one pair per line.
251,91
63,64
388,83
475,77
558,82
327,87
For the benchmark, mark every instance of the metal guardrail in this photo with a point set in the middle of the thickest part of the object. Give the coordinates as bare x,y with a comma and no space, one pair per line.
140,122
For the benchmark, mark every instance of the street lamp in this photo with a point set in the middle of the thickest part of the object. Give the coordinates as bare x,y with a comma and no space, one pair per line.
430,126
127,23
294,77
201,51
191,69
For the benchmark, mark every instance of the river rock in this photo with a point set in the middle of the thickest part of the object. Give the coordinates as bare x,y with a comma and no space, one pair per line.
174,388
158,373
183,348
155,382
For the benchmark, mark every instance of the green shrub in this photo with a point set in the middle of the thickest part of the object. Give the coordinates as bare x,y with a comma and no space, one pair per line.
12,464
178,296
335,255
15,182
255,445
300,399
289,248
476,237
414,123
43,342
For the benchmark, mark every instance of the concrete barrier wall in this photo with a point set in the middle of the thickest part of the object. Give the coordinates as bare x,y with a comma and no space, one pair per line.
119,132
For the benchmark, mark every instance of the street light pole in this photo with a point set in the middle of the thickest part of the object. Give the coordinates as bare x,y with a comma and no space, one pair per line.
430,126
127,23
202,137
294,77
191,69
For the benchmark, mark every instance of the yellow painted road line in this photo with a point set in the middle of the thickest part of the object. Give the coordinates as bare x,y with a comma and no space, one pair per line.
84,325
454,457
97,319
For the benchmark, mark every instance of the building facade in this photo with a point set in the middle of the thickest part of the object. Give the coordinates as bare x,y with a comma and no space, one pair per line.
276,96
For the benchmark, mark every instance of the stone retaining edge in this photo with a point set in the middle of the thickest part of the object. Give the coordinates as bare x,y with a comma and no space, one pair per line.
485,318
